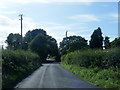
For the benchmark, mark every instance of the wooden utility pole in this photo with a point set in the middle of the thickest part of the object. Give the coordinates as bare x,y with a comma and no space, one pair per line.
66,33
2,47
21,18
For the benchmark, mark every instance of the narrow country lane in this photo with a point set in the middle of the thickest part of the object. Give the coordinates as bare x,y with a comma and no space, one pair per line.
52,75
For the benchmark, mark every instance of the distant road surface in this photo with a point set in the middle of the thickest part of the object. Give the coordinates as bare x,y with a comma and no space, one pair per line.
52,75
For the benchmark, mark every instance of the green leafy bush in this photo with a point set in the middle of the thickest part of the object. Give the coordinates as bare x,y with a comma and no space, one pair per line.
115,43
112,57
94,58
16,65
84,58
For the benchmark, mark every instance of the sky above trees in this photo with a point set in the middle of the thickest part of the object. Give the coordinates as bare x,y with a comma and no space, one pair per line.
57,16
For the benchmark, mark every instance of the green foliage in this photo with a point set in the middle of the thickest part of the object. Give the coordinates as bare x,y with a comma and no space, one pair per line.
112,57
115,43
16,65
107,42
44,45
52,46
30,35
39,46
41,43
72,43
104,78
96,39
77,46
14,41
94,58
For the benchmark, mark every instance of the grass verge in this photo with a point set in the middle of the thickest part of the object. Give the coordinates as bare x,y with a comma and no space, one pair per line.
104,78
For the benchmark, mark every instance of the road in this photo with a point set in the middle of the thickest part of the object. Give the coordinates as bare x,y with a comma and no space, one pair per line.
52,75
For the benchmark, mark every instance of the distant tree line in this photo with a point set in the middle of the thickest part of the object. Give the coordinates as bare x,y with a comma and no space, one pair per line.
73,43
37,41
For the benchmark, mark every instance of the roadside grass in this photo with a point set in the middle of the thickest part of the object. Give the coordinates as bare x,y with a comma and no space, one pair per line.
104,78
100,67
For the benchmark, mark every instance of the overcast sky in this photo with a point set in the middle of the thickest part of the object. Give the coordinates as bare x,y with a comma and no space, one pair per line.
79,17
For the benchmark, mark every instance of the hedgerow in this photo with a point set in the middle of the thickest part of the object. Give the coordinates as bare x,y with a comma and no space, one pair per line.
94,58
16,65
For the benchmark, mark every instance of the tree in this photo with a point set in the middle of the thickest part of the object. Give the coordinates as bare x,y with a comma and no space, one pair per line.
106,42
39,46
72,43
44,45
30,35
115,43
96,39
52,46
77,46
14,41
37,40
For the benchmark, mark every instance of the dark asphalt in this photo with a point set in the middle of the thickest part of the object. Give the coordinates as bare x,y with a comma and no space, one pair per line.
52,75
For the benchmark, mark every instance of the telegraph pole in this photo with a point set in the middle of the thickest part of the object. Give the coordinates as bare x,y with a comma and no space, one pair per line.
2,47
1,56
21,18
66,33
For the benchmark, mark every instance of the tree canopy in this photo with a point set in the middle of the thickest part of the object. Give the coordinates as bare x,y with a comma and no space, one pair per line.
106,42
44,45
72,43
96,39
115,43
39,46
30,35
14,41
36,40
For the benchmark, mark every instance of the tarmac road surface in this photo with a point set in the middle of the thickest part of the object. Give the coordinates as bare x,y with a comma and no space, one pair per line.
52,75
